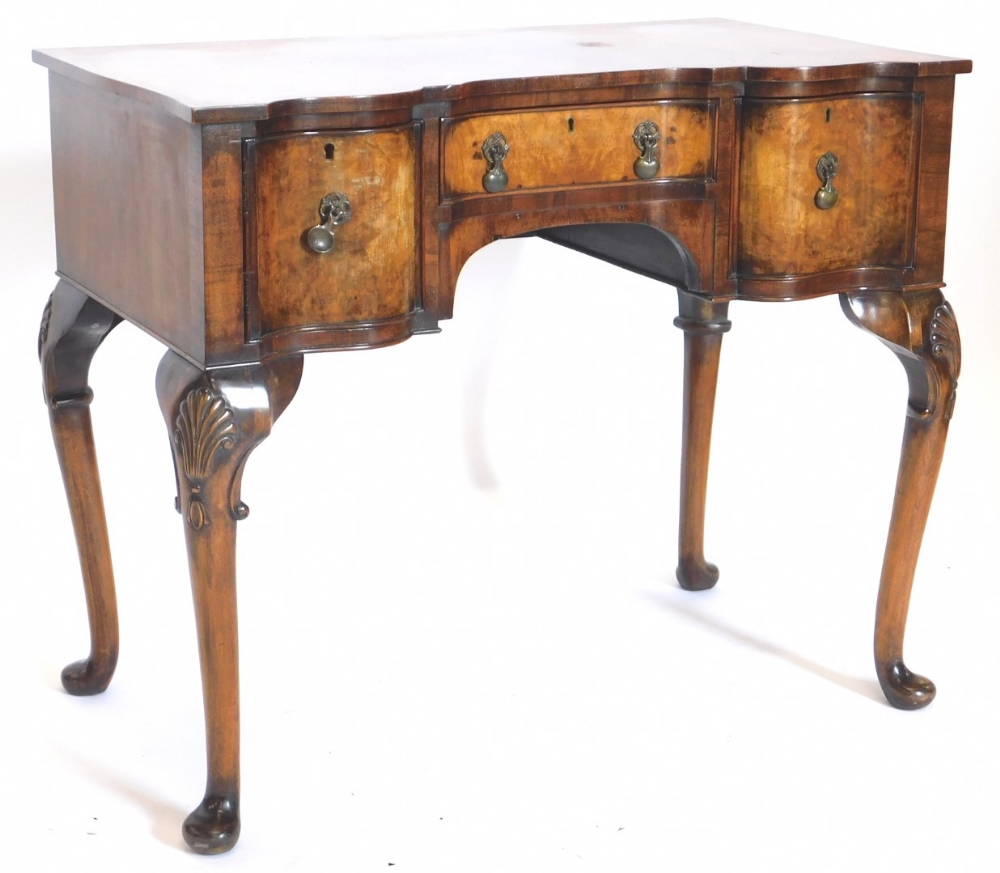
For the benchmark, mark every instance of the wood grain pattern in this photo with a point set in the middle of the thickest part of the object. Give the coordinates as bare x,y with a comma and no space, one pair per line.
937,98
921,330
781,230
73,326
371,274
225,82
214,421
187,178
704,324
223,204
690,221
129,212
578,146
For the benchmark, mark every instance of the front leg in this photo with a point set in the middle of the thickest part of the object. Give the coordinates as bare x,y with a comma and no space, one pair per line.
215,419
73,326
703,322
920,329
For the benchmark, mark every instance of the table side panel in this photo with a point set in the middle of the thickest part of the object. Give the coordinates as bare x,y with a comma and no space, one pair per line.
128,210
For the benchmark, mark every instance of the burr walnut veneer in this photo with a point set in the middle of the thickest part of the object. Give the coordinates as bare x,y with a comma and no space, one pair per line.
243,204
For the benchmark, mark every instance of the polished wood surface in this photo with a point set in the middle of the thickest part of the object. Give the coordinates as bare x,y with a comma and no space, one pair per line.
921,330
703,323
214,421
579,146
216,288
73,326
221,82
128,193
781,231
371,274
188,179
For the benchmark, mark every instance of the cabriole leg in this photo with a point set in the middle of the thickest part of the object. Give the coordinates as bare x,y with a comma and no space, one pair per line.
73,326
920,329
703,322
214,420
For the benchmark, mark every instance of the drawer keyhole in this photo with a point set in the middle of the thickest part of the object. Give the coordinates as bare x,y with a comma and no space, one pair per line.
570,123
829,111
329,147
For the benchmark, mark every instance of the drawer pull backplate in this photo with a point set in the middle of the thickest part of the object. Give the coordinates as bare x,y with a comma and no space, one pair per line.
495,149
647,139
334,210
826,169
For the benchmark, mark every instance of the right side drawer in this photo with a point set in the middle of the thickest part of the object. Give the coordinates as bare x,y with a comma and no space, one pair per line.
785,228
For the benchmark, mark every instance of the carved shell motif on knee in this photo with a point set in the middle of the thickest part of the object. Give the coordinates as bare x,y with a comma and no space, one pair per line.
205,426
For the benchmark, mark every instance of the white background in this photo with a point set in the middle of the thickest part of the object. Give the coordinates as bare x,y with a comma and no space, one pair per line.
463,648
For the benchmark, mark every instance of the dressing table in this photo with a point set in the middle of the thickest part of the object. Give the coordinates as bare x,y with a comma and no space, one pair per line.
246,203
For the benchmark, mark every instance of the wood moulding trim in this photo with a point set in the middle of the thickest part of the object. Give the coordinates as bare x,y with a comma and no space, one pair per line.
609,195
348,335
819,284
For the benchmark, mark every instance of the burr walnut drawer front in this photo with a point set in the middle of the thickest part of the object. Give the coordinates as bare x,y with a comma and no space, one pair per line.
827,184
578,146
336,227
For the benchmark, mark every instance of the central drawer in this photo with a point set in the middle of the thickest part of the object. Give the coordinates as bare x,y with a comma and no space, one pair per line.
578,146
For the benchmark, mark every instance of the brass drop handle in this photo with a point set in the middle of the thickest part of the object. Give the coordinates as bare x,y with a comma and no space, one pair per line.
334,210
495,149
647,139
826,169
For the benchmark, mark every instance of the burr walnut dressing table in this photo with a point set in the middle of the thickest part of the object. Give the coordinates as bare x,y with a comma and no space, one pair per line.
243,205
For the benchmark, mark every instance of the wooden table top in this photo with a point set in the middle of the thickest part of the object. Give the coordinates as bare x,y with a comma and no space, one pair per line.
241,81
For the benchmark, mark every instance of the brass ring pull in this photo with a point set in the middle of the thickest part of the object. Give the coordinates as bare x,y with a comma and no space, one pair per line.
495,149
647,139
334,210
826,169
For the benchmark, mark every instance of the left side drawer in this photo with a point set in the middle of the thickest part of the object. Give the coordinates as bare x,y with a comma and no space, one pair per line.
369,272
